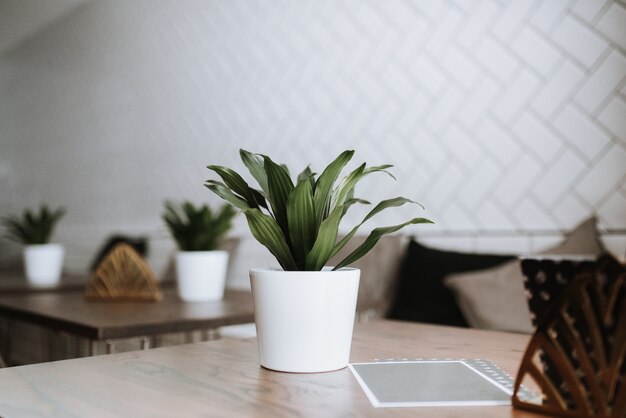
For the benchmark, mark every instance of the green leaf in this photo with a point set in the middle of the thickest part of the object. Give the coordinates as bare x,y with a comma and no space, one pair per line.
259,198
265,229
225,215
301,220
197,228
373,239
385,204
357,200
382,169
345,190
308,175
32,227
280,186
325,241
226,193
300,224
256,166
324,185
236,183
16,231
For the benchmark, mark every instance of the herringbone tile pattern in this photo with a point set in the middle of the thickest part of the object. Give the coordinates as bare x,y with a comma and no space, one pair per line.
511,107
498,114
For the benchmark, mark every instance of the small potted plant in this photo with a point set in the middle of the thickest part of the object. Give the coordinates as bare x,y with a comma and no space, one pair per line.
304,312
43,261
198,232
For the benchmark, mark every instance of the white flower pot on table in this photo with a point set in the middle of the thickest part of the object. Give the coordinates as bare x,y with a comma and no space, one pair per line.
304,319
43,264
201,275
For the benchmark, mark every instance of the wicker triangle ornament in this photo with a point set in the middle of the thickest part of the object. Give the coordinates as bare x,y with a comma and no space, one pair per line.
123,275
577,356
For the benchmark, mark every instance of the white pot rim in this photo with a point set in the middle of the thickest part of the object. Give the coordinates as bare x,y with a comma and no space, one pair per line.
203,252
325,270
48,245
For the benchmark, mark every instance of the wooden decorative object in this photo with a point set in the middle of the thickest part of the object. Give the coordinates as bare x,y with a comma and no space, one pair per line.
577,356
123,275
546,278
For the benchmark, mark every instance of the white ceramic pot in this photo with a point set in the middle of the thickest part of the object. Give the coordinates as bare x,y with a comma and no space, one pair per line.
201,275
43,264
304,319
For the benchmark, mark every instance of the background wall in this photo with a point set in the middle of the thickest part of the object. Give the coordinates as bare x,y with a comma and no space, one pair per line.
498,115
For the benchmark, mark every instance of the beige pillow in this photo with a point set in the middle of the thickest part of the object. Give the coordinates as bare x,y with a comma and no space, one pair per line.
495,298
379,270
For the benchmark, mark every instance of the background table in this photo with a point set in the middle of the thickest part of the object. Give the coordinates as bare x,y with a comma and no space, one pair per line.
70,313
15,282
222,378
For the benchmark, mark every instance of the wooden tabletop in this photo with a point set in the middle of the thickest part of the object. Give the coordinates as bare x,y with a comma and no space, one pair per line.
71,313
15,282
223,379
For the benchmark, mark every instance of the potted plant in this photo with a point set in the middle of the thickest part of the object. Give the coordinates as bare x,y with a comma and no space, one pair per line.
198,232
43,261
304,313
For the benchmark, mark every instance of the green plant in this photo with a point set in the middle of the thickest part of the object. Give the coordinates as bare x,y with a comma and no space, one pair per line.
300,224
197,228
32,228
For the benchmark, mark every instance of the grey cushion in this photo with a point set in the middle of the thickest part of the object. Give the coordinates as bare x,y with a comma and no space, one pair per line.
379,270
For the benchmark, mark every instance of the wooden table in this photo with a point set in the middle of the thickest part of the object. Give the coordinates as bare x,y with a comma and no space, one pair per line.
70,313
223,379
13,283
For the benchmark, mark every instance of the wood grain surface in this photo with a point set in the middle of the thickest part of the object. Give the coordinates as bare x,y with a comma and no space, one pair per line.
71,313
15,282
223,379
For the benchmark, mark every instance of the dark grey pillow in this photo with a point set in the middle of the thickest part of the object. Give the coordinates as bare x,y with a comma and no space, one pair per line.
420,294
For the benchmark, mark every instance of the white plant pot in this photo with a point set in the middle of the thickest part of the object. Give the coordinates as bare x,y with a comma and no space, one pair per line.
201,275
304,319
43,264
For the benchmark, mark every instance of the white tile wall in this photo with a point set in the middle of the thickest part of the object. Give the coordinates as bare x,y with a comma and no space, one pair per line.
536,50
552,189
612,117
529,212
577,128
537,137
579,41
491,214
549,13
477,102
612,209
609,172
496,59
478,184
557,89
588,10
569,210
511,18
601,84
517,180
497,114
612,24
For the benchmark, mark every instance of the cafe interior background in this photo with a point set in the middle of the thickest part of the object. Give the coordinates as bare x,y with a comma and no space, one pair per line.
505,119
